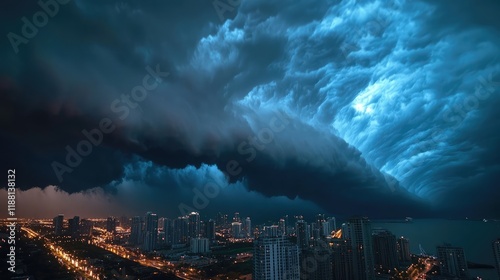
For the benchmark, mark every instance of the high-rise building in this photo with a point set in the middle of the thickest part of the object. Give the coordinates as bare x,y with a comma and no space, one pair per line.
162,239
194,225
180,230
161,223
359,237
333,223
236,229
74,227
452,261
111,224
314,231
316,263
496,254
342,263
287,224
203,229
320,219
403,248
199,245
210,232
165,232
248,227
150,231
302,234
58,223
136,232
282,227
221,220
385,251
271,231
275,258
326,228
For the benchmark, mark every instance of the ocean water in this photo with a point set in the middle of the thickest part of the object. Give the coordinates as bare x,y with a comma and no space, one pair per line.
475,237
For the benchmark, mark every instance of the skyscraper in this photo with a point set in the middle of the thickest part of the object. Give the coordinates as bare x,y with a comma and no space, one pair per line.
302,234
287,224
136,231
236,217
221,220
194,225
342,264
271,231
314,231
316,262
74,227
58,222
150,231
210,232
452,261
360,240
496,254
282,227
333,223
248,227
236,229
320,219
403,248
275,258
180,230
161,224
165,231
385,251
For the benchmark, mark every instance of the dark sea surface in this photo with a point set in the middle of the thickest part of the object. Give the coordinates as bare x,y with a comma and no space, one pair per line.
475,237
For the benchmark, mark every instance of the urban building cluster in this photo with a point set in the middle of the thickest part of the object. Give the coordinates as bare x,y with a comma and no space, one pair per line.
291,248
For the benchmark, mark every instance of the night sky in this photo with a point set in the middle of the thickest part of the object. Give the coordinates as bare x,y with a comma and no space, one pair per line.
384,108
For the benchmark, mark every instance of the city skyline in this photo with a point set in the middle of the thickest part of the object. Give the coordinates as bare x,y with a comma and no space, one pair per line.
356,248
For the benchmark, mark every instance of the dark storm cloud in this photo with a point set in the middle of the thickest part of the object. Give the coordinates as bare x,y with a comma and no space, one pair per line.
364,86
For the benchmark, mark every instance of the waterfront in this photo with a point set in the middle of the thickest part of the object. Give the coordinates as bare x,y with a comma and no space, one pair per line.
472,235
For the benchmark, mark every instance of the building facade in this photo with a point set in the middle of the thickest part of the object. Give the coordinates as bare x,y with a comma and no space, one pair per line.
385,251
302,234
199,245
74,227
236,229
275,258
496,254
358,235
150,231
452,261
403,248
58,223
136,231
316,263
